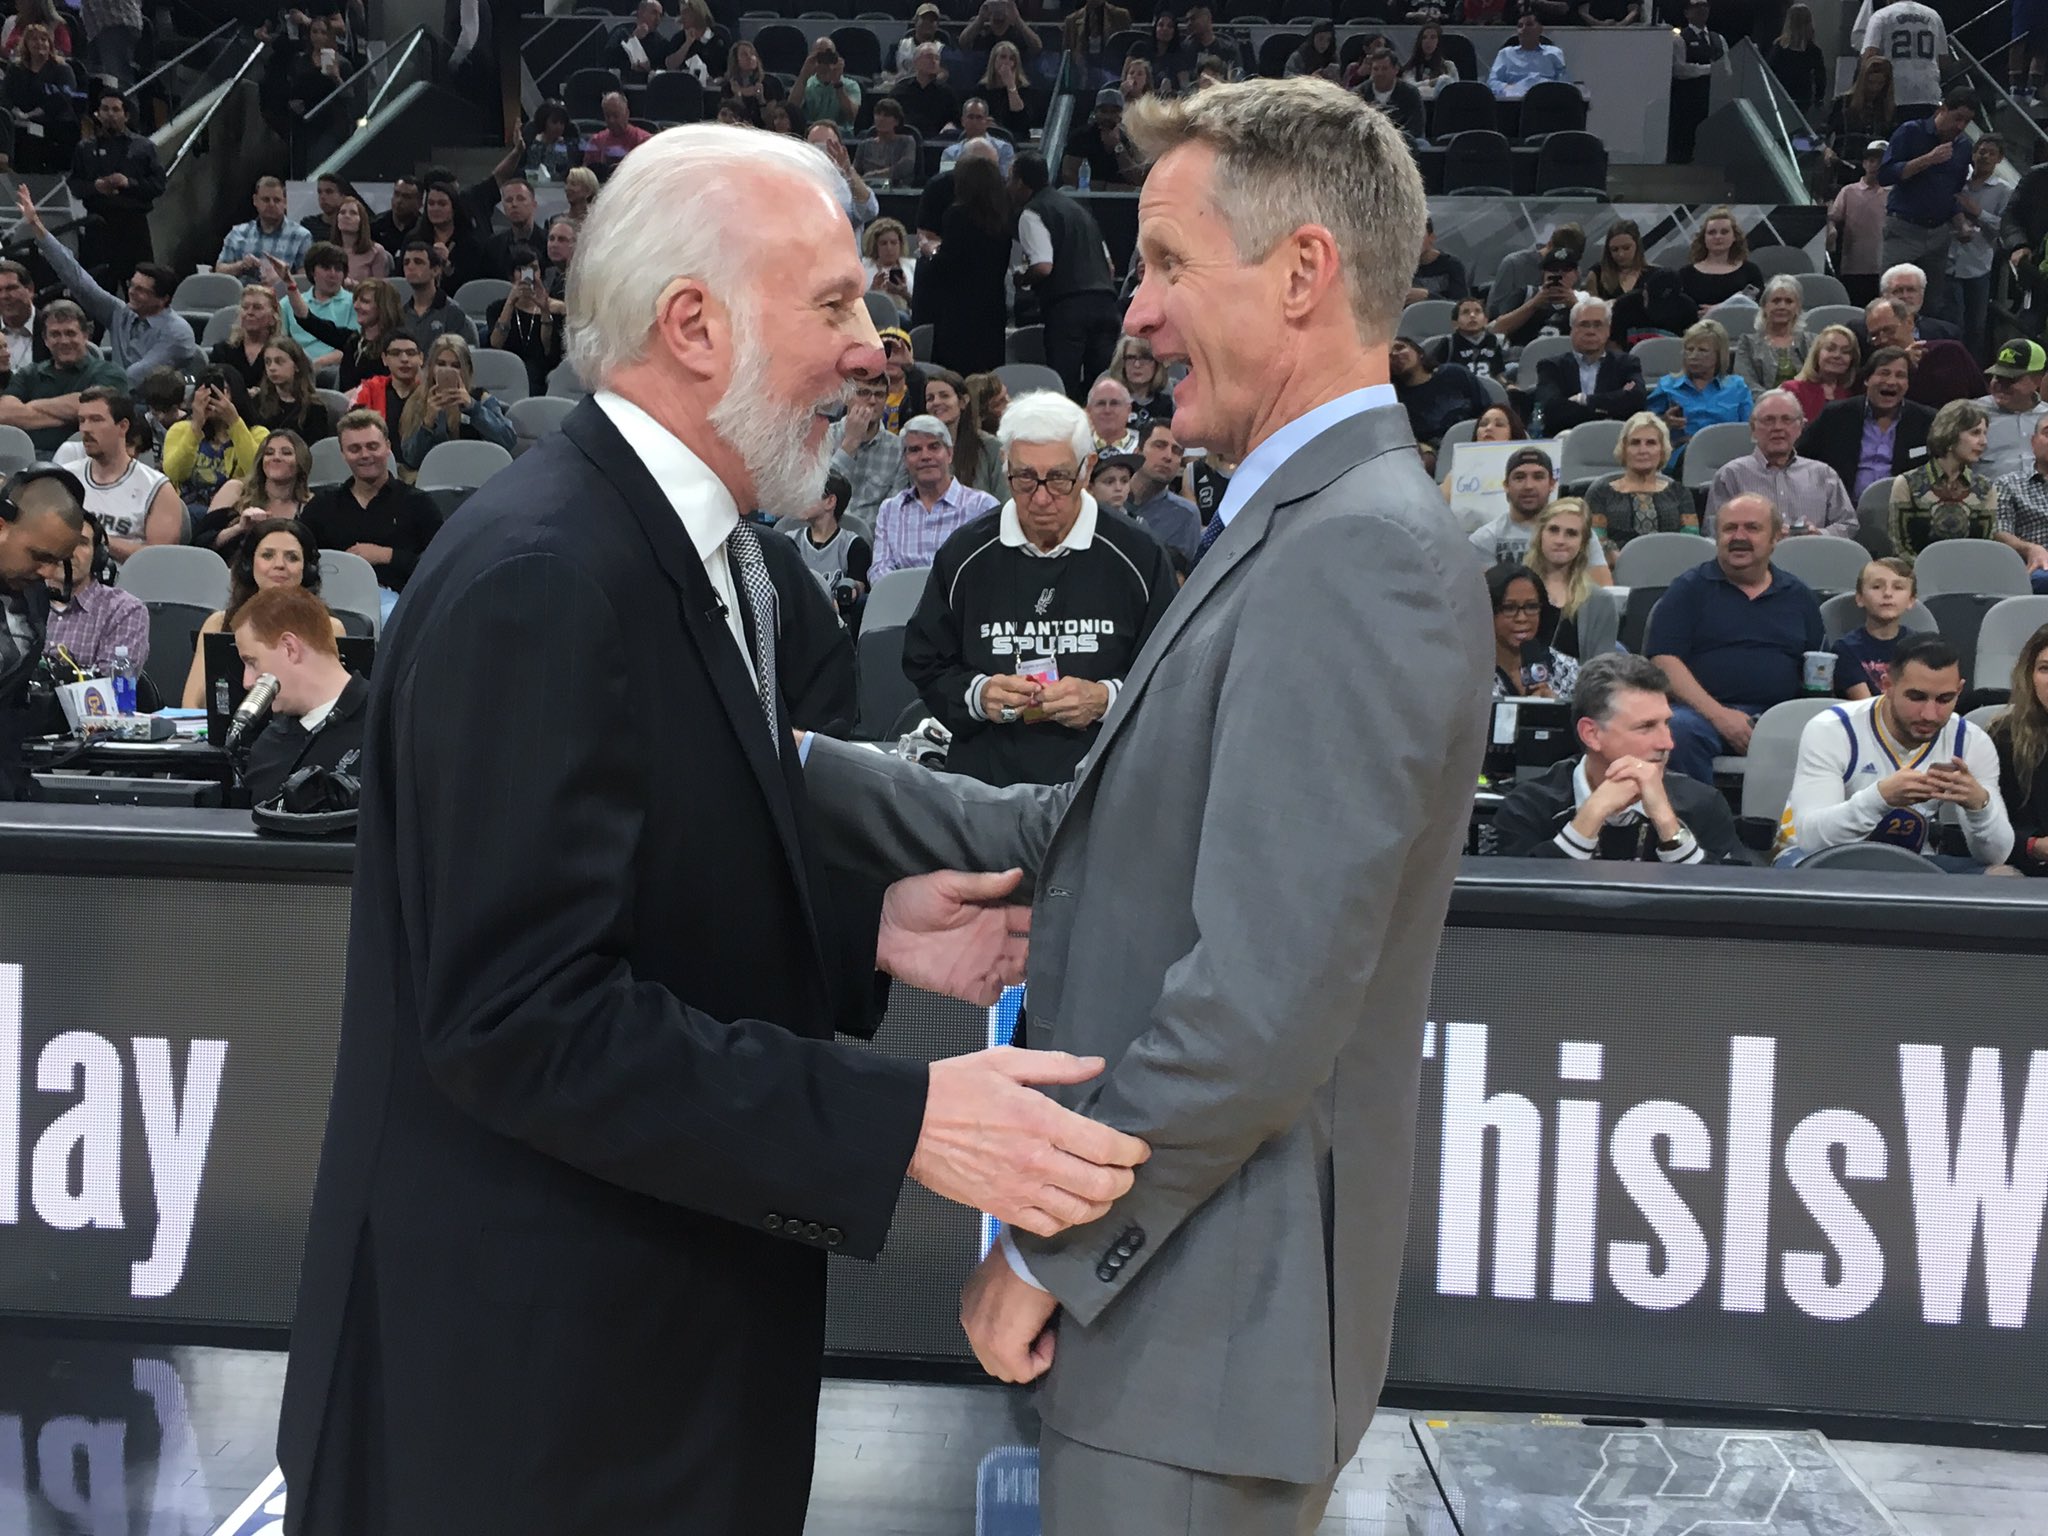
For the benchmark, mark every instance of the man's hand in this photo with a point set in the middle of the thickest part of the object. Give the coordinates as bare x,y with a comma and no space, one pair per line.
860,421
1954,783
376,554
1007,1321
1615,795
1074,701
1008,692
993,1143
27,204
1735,728
1648,779
2036,557
950,932
1909,786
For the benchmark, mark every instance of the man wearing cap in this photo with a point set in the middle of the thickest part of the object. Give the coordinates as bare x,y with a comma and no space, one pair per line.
1809,493
1110,483
2014,406
1529,484
1548,309
1101,148
2023,506
910,526
1856,228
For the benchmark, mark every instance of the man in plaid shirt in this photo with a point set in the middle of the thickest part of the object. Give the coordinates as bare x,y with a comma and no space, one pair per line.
910,527
2023,510
97,616
270,233
867,453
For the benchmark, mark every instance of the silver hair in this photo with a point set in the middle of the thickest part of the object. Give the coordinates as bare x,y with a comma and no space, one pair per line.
1784,395
672,209
1046,416
1298,153
1903,269
927,426
931,48
1588,304
1784,282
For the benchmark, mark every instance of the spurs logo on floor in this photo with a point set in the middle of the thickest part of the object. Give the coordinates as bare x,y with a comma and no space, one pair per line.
1640,1489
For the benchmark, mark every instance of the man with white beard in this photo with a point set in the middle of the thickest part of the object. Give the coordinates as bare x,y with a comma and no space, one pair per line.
592,1138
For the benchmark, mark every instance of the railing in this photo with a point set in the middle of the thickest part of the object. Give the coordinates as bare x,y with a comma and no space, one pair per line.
545,63
1059,119
333,120
197,132
1785,145
202,57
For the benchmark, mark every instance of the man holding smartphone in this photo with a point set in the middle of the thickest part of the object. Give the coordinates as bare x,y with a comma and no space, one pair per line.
1548,309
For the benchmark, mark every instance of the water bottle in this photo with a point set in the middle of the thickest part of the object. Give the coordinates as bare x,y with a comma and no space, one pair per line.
1081,181
124,681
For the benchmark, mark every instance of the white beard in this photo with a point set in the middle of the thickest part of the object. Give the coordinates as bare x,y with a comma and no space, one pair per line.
772,439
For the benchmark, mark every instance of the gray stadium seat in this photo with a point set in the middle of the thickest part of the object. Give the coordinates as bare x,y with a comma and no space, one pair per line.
338,404
205,292
1839,615
1828,565
895,597
220,325
348,585
1970,565
181,586
1773,756
1026,344
1659,355
1985,715
921,343
475,297
329,467
1426,318
534,419
1658,559
1496,392
1820,315
1711,447
1588,449
1816,289
460,466
502,373
1457,432
564,384
1533,355
1874,517
1776,260
17,444
2005,632
1022,378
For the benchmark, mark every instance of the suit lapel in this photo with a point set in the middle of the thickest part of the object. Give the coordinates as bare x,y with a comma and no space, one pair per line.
593,433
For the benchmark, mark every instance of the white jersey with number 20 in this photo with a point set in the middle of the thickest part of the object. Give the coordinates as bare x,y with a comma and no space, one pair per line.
1911,37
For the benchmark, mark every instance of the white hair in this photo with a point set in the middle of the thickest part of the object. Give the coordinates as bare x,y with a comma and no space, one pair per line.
931,48
1110,378
1784,282
673,209
1590,305
1785,395
927,426
1903,269
1046,416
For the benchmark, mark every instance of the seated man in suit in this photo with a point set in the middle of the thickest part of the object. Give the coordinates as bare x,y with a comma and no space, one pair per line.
1592,382
317,717
1618,801
1878,434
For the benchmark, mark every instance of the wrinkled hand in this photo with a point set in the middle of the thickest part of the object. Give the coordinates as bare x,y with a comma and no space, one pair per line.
1008,692
950,932
1735,728
992,1142
1074,701
1007,1321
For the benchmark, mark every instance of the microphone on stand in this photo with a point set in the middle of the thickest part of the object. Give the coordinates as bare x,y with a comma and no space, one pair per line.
255,706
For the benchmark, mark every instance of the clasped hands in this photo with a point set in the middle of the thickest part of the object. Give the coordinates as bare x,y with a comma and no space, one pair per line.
990,1140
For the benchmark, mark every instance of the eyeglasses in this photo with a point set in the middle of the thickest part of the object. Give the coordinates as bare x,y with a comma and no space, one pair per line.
1520,610
1059,482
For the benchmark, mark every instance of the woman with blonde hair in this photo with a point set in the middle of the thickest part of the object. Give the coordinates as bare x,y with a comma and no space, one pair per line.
1772,352
1642,498
1718,262
2021,737
258,322
379,316
1137,80
1561,554
448,407
1795,58
1134,365
580,188
1830,371
1012,104
885,258
1703,393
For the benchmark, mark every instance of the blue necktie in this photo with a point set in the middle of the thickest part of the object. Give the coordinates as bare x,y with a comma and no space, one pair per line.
1210,535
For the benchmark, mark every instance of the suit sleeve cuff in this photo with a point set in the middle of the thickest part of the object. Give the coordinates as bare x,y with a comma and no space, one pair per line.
1016,1260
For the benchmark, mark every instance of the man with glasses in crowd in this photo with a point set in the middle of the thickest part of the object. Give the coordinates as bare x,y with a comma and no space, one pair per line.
145,333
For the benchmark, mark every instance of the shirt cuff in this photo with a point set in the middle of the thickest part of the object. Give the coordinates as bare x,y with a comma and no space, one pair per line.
1685,849
803,750
1574,846
974,690
1016,1260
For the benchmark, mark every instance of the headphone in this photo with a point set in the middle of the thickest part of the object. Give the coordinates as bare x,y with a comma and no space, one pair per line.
103,568
10,508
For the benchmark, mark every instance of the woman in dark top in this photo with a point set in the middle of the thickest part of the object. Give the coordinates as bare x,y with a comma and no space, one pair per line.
1797,60
287,397
524,322
258,325
1720,266
41,89
378,316
1858,116
697,39
445,222
1173,61
1013,105
1318,53
1428,66
552,152
960,289
2021,736
1523,666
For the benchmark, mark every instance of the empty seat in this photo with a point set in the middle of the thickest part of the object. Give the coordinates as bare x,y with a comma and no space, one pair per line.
1589,449
17,444
1659,355
1874,518
181,586
329,467
1571,164
1785,261
1817,288
1819,316
1828,565
2003,635
534,419
1022,378
1536,353
348,585
1552,106
1026,344
674,96
476,297
861,49
583,91
921,343
1773,758
1970,565
502,373
782,48
1711,447
460,466
1658,559
204,292
1276,50
1462,106
220,325
1477,162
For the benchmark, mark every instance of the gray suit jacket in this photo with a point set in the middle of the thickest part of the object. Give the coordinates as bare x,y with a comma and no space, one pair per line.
1238,904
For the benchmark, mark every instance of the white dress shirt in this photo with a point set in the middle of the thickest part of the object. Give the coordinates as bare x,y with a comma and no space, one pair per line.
698,497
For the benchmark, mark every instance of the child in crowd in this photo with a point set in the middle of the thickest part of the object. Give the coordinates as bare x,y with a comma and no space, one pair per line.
1475,347
1863,657
163,397
836,555
1111,486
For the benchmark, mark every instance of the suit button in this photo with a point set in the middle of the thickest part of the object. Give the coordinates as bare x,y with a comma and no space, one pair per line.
1124,1250
1115,1261
1135,1237
813,1231
773,1223
1104,1272
834,1237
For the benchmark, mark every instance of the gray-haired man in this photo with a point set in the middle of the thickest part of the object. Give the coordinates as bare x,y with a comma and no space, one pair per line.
910,526
1808,492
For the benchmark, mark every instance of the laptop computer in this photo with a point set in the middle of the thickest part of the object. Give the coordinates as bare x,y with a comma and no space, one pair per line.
224,690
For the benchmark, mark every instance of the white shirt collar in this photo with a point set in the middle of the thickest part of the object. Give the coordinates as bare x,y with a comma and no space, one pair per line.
699,498
316,717
1079,537
1262,461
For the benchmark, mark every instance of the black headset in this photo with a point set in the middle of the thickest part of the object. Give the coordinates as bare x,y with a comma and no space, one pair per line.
103,568
10,509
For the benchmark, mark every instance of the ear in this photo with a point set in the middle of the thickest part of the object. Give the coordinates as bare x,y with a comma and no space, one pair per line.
693,328
1309,270
1587,728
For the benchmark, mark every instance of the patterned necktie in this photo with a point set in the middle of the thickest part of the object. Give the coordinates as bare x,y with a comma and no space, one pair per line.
1210,535
743,551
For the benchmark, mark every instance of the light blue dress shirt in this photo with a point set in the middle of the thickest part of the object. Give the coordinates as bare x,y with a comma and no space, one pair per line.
1517,66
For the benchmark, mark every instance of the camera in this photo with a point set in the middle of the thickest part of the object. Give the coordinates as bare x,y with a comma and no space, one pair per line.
846,597
213,378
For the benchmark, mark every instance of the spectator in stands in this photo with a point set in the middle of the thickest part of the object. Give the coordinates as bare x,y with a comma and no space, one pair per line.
2021,738
990,398
118,177
1592,382
977,461
2020,237
366,259
1171,518
1946,496
1087,31
279,490
1796,59
1473,346
924,28
1913,38
317,718
1855,235
34,13
1622,264
1875,436
163,404
1906,286
1926,164
1810,494
258,322
884,257
1428,67
301,75
1438,274
216,443
866,452
1109,417
270,233
385,392
888,155
328,193
524,323
1859,119
378,314
1101,149
42,92
698,49
18,330
1110,481
375,515
903,378
1885,589
1696,49
1704,392
393,228
560,255
42,399
1773,351
861,203
448,407
1435,399
912,524
746,86
1496,424
961,290
1982,204
579,188
1135,366
2023,508
1618,801
996,25
1523,666
1732,635
1561,554
974,128
1067,265
448,225
143,334
1167,50
637,52
1528,484
134,504
1642,498
620,135
1034,611
1396,97
831,551
327,267
90,618
35,553
1136,82
2013,407
828,96
1208,43
522,228
1719,266
1548,309
1317,54
287,397
928,103
552,147
1882,770
1527,59
1829,372
429,312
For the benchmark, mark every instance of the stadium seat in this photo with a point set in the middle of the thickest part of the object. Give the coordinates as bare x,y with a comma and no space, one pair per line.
1588,448
1571,164
475,298
2005,632
1819,316
861,49
338,405
1426,318
1659,355
348,585
1462,106
921,343
1553,106
329,467
1874,518
585,90
674,96
1970,565
895,596
1828,565
883,692
1478,162
1767,772
1496,392
1535,353
502,373
1025,344
204,292
1022,378
1639,611
1839,615
563,383
220,325
783,48
460,466
1711,447
1304,10
1960,618
1818,289
1459,50
1241,12
1457,432
1117,47
17,444
534,419
1879,858
1787,261
181,586
1276,50
1984,715
1658,559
